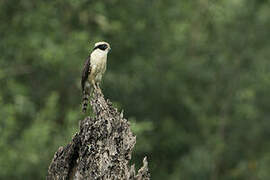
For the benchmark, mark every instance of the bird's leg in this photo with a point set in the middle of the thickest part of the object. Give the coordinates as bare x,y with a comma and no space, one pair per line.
94,84
98,85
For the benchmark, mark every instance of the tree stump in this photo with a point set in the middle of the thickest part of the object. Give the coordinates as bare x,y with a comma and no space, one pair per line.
101,150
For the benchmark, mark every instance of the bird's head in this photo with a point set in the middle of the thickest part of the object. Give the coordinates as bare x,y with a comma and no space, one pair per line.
103,46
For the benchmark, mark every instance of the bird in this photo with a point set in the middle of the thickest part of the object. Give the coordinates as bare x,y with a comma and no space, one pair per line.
93,70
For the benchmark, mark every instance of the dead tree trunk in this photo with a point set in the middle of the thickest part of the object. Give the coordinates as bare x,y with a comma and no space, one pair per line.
101,150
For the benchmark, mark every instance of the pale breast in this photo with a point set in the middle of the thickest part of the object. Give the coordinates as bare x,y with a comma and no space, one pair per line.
98,63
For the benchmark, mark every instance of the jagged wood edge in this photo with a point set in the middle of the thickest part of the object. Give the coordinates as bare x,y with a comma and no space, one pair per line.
66,163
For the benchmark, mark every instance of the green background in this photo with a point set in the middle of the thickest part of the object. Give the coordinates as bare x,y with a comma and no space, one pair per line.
193,78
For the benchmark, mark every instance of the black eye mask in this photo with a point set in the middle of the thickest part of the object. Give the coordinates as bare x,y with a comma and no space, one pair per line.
101,47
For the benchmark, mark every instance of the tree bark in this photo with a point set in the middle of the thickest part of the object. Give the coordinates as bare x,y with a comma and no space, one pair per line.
101,150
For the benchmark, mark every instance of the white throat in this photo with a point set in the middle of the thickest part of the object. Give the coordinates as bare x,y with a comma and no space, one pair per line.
99,58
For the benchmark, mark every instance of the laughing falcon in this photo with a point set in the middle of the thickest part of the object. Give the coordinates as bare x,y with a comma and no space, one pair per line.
94,68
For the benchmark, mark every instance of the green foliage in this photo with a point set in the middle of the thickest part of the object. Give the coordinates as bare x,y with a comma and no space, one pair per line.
192,77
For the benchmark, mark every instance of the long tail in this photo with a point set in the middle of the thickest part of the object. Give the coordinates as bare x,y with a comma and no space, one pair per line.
85,101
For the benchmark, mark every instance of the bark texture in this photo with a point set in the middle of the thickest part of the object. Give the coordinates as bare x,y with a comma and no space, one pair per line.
101,150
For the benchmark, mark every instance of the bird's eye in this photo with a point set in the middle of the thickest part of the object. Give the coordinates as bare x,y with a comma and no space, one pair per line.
101,47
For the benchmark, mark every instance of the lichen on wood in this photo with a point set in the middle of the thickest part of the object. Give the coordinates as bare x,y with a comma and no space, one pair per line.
101,149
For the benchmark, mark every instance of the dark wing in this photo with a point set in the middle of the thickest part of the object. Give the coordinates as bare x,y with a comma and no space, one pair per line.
86,72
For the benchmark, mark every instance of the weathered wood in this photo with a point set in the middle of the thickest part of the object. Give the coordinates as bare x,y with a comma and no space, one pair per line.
101,150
